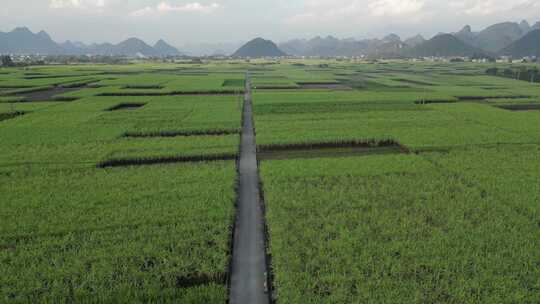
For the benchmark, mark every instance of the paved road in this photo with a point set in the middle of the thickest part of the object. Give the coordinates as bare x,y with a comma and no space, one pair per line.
249,273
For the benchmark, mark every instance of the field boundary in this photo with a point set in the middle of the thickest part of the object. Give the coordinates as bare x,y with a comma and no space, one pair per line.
269,270
370,143
180,133
519,107
126,106
127,162
174,93
330,149
11,115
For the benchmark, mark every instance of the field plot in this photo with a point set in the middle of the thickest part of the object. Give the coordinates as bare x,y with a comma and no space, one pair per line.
138,234
438,228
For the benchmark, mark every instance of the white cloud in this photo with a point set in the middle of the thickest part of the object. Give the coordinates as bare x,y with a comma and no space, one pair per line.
58,4
395,7
142,12
332,11
165,7
305,18
483,8
190,7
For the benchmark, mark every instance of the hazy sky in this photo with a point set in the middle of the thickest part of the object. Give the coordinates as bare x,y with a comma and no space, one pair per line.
193,21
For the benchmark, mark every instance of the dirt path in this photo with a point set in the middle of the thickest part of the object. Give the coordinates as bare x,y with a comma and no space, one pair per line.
249,271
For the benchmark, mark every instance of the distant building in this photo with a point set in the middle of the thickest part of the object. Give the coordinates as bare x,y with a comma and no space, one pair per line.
505,59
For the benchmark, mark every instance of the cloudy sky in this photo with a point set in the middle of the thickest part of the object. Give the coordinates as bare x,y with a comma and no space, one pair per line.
194,21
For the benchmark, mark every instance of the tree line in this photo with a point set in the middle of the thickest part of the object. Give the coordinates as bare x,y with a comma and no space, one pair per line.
531,74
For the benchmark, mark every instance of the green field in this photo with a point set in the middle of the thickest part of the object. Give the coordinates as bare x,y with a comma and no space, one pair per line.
118,182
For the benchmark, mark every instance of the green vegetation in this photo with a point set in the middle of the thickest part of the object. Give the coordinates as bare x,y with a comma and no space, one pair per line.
72,232
436,228
454,225
137,234
384,182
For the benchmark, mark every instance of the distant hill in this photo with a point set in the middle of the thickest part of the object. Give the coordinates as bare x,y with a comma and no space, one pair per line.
466,35
22,41
165,49
444,45
209,49
528,45
72,48
391,38
135,47
297,47
325,47
386,49
498,36
414,41
259,47
331,46
525,26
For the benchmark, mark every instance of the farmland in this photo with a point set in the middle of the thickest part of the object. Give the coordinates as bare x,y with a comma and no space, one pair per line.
386,182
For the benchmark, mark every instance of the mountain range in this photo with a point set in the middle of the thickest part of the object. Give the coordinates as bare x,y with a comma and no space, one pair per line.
444,45
489,42
506,38
22,41
330,46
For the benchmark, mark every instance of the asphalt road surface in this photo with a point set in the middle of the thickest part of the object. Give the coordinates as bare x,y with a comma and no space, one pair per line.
249,271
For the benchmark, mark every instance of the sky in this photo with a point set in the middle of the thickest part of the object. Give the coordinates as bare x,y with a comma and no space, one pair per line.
182,22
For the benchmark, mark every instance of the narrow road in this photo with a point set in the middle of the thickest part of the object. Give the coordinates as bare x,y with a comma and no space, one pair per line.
249,271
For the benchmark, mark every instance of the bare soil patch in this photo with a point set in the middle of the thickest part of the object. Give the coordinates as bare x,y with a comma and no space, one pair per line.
521,107
10,115
181,133
126,106
49,94
164,160
276,88
143,87
323,150
200,93
419,102
471,98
